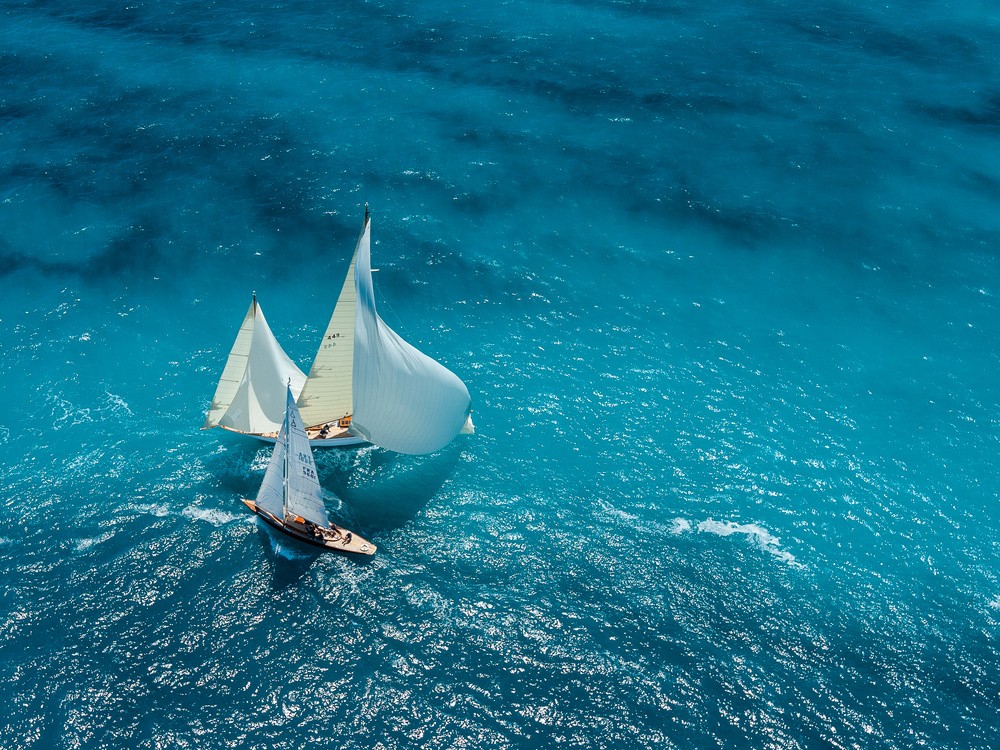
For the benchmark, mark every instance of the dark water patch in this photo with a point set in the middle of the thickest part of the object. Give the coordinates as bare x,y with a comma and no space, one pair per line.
280,178
123,164
110,16
19,110
645,9
13,262
693,103
135,252
162,22
470,131
478,204
921,39
614,93
935,50
321,31
981,115
424,45
746,226
753,223
981,182
462,274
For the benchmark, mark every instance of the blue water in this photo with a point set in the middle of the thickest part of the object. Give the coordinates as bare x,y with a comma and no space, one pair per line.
721,278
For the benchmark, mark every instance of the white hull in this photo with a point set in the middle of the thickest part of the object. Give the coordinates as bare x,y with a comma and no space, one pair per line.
343,441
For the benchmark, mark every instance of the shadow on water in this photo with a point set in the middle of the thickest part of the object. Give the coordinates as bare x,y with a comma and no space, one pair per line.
389,489
290,560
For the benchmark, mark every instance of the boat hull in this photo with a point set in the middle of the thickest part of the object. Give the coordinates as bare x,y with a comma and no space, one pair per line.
347,542
340,441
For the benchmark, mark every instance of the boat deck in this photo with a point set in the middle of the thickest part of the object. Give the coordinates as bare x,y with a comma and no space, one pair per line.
329,434
333,537
328,431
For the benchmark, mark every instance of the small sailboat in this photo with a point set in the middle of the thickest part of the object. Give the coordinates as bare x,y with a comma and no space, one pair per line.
290,498
366,383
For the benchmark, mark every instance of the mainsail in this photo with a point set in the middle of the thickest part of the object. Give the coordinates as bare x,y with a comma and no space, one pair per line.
290,486
248,397
326,395
403,400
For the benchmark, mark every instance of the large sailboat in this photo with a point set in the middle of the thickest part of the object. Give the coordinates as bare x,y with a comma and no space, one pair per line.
366,384
290,498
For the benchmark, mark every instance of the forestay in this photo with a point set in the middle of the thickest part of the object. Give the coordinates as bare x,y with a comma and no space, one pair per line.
403,400
260,370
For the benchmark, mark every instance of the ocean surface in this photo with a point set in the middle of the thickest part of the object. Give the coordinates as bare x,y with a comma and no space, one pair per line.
722,279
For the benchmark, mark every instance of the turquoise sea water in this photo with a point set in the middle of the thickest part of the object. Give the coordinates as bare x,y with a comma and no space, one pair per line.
721,278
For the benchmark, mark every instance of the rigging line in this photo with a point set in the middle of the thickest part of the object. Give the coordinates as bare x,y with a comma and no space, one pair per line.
398,325
284,505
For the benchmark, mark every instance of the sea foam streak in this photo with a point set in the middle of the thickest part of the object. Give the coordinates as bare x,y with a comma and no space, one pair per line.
757,534
213,516
761,536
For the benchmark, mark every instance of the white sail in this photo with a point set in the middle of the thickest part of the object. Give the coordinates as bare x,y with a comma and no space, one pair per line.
271,496
236,365
291,487
403,400
327,393
305,497
255,405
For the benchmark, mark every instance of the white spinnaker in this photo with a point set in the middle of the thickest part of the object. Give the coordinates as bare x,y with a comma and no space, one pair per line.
403,400
305,496
258,404
236,364
326,395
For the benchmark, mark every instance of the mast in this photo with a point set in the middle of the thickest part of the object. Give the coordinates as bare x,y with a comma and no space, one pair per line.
284,482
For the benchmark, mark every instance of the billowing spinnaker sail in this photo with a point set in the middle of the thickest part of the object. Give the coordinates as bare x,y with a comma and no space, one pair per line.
258,406
305,497
326,395
403,400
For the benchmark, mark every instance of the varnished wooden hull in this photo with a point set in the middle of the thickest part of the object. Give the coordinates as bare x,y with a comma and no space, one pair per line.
348,541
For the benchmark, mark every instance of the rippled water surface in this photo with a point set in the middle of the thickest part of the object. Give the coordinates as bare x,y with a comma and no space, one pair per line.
721,278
